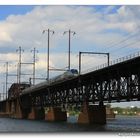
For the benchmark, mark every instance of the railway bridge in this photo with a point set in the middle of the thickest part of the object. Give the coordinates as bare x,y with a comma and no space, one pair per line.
118,82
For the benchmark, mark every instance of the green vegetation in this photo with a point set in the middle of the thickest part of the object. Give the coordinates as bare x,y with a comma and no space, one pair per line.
126,111
133,110
73,111
117,110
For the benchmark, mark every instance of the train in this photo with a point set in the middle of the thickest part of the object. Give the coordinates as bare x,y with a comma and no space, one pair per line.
60,78
66,75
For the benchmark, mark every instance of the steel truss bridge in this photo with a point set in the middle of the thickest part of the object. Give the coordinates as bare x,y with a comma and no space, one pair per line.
116,83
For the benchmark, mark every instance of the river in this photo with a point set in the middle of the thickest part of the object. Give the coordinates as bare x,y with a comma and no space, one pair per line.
119,124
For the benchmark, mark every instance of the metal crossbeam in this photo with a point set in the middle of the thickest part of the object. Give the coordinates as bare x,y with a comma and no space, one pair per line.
80,53
117,83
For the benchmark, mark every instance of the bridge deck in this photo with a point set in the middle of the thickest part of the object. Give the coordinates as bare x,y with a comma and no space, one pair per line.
118,82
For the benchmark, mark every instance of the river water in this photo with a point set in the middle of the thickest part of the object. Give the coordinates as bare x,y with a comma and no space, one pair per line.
119,124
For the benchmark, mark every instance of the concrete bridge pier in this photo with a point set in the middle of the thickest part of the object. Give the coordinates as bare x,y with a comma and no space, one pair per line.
94,114
15,110
37,113
56,114
5,109
7,106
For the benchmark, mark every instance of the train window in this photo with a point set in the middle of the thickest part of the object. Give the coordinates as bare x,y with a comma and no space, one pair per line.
74,71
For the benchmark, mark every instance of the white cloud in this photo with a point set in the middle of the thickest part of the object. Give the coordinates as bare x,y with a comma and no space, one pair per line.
92,28
4,33
26,29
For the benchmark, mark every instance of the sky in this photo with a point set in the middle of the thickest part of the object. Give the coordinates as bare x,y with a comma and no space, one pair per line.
113,29
7,10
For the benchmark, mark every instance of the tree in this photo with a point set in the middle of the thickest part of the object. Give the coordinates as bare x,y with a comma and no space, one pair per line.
108,105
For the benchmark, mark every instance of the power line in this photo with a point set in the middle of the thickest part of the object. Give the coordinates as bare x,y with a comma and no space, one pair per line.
69,32
34,60
118,49
6,80
19,63
122,40
48,31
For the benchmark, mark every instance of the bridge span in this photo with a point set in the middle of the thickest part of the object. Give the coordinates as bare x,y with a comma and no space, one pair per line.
115,83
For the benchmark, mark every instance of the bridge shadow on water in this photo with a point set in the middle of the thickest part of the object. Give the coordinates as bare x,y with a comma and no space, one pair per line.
118,125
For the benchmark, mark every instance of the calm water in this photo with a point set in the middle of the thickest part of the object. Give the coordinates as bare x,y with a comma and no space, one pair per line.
119,124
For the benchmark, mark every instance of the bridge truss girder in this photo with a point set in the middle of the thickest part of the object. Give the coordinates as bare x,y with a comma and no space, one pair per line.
126,88
117,83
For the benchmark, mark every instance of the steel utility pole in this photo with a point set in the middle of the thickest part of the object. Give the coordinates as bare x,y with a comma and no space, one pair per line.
80,53
6,80
69,32
48,57
3,90
19,63
34,60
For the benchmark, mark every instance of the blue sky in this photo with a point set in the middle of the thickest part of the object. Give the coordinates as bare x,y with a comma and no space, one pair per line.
98,28
6,10
94,39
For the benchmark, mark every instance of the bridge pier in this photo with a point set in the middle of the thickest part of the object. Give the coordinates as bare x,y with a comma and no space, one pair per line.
56,114
16,111
7,106
4,109
94,114
37,113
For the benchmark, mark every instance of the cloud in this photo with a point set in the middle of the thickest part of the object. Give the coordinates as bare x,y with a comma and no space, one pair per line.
4,33
25,30
95,30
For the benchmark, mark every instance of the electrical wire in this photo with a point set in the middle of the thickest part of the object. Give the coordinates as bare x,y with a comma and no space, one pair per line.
122,40
118,49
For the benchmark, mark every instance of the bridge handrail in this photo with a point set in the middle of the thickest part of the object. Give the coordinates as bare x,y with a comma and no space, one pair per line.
113,62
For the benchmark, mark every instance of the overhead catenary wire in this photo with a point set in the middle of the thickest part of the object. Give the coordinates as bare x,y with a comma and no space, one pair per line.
128,45
129,36
121,42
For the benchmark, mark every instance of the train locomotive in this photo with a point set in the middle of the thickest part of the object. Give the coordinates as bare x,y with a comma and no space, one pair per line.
60,78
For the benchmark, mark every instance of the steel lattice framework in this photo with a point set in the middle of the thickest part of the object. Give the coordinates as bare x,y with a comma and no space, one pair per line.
116,83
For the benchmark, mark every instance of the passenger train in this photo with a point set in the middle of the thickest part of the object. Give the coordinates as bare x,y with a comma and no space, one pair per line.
65,76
